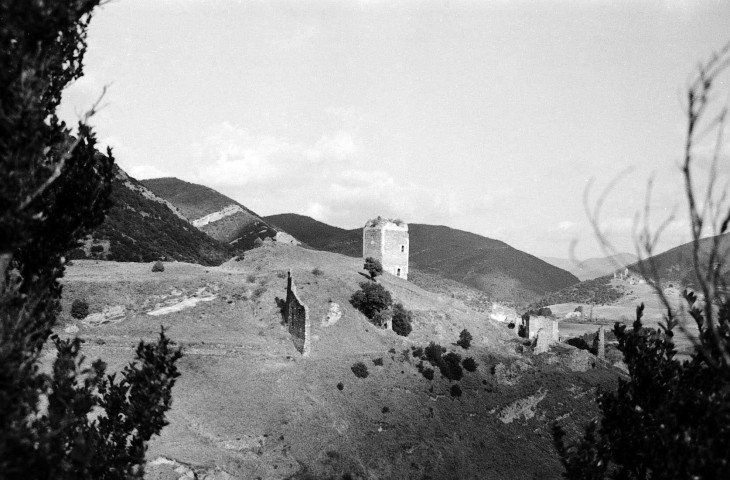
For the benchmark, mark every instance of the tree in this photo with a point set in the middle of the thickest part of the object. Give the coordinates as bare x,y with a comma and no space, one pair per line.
55,188
371,299
465,339
670,418
402,319
373,267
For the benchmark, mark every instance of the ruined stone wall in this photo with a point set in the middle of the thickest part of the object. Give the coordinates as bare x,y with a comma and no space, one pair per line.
372,243
296,315
548,325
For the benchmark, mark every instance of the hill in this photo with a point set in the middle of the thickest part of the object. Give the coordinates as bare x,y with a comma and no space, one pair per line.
248,405
212,212
676,265
141,227
593,267
501,272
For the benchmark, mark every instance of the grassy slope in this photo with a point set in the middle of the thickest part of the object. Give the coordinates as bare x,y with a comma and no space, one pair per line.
196,201
491,266
248,403
593,267
141,230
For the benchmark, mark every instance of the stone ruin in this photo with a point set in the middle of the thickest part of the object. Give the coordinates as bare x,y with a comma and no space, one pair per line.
543,330
387,241
297,318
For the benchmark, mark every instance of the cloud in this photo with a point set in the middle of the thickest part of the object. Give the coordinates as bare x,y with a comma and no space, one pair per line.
142,172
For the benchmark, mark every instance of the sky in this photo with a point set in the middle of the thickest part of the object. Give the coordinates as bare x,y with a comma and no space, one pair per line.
498,118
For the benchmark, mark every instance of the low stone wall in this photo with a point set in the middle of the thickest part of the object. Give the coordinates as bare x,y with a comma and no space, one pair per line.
548,325
297,317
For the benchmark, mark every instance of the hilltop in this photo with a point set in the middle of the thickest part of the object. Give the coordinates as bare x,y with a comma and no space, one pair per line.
490,266
142,227
212,212
249,405
593,267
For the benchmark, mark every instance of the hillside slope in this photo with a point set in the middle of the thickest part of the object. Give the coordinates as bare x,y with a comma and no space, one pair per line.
141,227
491,266
248,405
212,212
593,267
676,265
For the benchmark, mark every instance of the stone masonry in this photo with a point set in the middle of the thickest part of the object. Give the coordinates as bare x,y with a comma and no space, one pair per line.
297,317
387,241
548,325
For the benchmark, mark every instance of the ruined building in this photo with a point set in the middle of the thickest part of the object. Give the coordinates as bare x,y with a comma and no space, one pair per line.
387,241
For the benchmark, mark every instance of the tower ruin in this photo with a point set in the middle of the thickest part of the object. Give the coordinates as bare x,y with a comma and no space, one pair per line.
387,241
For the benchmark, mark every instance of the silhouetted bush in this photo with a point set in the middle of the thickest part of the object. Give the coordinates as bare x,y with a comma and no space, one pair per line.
578,342
433,353
381,318
402,319
360,370
455,390
158,267
317,272
371,299
428,373
465,339
385,410
97,248
79,309
340,386
469,364
450,366
417,352
378,362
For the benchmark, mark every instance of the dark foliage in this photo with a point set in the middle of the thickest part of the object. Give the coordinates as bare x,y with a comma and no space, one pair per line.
54,190
417,352
469,364
433,353
670,419
316,271
450,366
465,339
402,320
427,373
340,386
382,318
371,299
378,362
158,267
385,410
455,390
579,342
373,267
79,309
360,370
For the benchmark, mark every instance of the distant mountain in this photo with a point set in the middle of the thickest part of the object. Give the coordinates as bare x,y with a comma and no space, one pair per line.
212,212
593,267
491,266
141,227
676,265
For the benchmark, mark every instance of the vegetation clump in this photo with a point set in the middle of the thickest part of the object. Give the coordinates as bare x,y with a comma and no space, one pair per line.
158,267
469,364
455,390
378,361
79,309
340,386
373,267
465,339
402,320
598,291
316,271
371,299
360,370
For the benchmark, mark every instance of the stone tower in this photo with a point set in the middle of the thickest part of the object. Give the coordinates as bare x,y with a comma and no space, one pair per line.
387,241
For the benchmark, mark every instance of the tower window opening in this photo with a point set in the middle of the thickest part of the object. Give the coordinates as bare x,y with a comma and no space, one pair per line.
402,248
398,273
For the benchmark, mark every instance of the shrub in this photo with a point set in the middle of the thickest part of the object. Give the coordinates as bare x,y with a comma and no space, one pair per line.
158,267
251,278
469,364
455,390
371,299
79,309
97,249
385,410
578,342
402,319
465,339
428,373
360,370
317,272
433,353
340,386
378,361
417,352
450,366
373,267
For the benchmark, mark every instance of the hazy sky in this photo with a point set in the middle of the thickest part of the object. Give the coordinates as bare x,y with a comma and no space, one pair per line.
485,116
